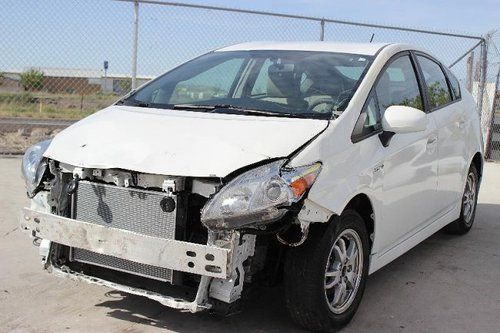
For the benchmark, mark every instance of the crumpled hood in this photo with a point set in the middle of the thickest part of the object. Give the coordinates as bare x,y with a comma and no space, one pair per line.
178,143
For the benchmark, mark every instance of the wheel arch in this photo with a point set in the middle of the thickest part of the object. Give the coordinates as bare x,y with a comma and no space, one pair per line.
478,162
362,204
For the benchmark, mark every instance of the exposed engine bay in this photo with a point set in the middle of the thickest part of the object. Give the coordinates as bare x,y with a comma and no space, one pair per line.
142,234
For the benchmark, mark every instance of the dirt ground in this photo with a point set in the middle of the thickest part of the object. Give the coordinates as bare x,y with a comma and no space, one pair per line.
18,141
445,284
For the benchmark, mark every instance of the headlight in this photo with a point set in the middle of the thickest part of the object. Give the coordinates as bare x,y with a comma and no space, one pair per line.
34,166
258,196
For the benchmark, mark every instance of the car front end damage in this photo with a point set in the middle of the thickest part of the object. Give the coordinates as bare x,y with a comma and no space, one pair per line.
189,243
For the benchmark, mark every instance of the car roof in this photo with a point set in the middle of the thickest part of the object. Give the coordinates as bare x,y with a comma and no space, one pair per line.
355,48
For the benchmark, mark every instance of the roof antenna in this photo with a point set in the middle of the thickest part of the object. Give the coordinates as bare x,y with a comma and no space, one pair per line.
371,39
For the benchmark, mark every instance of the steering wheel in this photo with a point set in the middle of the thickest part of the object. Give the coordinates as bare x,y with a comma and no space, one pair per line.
325,100
343,96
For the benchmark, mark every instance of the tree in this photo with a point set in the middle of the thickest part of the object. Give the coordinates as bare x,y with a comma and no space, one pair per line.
2,76
437,94
32,79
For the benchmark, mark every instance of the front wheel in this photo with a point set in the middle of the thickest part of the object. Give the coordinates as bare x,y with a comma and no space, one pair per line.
325,277
469,202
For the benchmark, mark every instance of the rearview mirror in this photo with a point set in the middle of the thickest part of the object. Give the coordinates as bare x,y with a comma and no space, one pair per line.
404,119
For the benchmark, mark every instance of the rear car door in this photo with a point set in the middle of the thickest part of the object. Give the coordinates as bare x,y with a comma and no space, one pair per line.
408,167
450,117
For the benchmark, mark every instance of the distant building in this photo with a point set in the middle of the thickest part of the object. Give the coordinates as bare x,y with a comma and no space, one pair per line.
121,83
9,84
74,81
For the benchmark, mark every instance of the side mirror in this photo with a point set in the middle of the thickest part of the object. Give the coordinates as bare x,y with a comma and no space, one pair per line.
401,119
404,119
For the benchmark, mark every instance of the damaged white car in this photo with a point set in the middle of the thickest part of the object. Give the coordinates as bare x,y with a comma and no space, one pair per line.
313,163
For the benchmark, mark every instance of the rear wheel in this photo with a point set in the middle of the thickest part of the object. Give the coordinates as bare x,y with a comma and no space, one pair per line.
325,277
469,202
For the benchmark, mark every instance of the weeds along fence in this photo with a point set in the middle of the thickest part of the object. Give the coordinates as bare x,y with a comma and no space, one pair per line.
63,60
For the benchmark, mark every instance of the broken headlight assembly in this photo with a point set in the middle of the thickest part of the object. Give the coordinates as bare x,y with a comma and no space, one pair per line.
34,166
258,196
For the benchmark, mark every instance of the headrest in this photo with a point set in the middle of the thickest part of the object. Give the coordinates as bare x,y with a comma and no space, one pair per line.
282,81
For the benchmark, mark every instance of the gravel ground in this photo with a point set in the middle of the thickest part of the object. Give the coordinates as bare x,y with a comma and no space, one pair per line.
445,284
17,142
17,134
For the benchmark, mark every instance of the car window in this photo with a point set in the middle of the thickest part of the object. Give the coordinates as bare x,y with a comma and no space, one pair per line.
314,84
213,83
260,85
398,85
306,84
455,86
369,119
435,80
351,72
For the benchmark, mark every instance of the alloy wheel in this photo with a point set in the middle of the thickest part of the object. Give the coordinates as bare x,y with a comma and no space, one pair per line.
343,271
469,198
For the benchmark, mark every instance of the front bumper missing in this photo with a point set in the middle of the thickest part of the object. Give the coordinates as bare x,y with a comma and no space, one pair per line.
205,260
200,302
176,255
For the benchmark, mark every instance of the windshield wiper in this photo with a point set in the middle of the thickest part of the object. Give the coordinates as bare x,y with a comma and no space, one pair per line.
204,107
133,103
240,109
227,108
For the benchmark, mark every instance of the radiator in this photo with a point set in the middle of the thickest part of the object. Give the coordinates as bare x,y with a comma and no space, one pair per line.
124,208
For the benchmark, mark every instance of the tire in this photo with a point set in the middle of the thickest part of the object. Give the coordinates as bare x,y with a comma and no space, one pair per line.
464,223
305,274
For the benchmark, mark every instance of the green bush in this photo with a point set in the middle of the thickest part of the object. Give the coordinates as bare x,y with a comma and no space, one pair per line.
22,98
32,79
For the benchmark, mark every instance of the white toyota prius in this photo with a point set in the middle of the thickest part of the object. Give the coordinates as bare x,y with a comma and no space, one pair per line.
310,164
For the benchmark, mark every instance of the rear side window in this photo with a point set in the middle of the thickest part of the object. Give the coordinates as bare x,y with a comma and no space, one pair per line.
435,81
455,86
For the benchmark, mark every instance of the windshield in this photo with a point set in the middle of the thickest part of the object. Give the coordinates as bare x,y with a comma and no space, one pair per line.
277,83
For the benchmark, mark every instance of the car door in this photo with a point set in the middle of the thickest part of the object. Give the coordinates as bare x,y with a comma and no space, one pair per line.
408,167
449,117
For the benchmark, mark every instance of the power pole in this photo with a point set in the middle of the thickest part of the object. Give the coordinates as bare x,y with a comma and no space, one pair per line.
322,30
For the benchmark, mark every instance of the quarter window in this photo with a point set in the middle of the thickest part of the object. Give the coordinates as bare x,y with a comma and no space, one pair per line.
369,119
435,80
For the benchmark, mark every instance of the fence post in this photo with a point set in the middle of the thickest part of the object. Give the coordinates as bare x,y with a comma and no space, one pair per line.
322,31
470,72
491,122
134,45
483,65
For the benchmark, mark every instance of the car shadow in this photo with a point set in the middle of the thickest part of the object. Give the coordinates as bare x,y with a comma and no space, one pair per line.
264,310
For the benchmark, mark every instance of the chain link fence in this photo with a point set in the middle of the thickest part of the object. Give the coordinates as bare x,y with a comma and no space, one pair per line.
63,60
491,120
